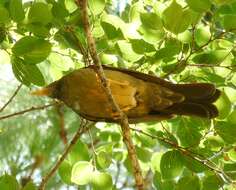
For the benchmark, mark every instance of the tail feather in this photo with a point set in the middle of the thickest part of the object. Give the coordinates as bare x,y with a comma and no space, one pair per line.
199,99
195,91
191,109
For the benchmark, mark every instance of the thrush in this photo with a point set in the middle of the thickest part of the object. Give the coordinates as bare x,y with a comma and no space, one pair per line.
140,96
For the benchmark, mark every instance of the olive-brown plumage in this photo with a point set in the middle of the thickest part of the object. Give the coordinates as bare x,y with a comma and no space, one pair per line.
142,97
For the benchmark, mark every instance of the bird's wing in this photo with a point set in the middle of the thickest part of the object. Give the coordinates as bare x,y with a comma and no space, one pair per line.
138,75
191,91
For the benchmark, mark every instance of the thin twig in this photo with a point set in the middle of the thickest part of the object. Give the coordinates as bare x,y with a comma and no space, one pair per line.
210,65
93,149
28,110
11,98
115,108
81,130
183,62
199,158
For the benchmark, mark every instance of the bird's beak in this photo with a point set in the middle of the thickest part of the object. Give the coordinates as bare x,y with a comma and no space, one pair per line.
46,91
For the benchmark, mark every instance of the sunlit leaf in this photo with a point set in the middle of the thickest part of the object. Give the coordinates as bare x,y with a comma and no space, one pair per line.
79,152
8,182
226,131
189,182
64,172
16,10
81,173
175,18
4,14
33,50
96,6
40,13
171,164
200,5
101,181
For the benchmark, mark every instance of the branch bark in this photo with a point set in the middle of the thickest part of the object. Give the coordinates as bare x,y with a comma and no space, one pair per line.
81,130
11,98
195,156
28,110
115,108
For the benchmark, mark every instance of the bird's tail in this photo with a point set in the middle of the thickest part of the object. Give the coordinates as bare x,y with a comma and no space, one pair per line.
199,99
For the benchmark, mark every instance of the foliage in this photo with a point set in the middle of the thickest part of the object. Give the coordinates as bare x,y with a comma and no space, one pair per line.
181,40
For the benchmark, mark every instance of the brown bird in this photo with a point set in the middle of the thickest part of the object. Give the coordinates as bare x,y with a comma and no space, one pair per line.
140,96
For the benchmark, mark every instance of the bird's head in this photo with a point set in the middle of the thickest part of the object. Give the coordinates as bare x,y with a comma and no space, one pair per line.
53,90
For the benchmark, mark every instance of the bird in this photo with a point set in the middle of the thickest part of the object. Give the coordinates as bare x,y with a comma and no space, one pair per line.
142,97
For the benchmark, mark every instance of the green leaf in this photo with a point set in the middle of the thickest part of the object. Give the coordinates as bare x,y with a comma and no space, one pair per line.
229,21
38,29
112,26
127,52
16,10
79,152
30,186
151,36
226,131
4,15
156,161
214,143
171,48
144,154
40,13
163,184
141,47
25,73
176,19
194,165
33,50
96,6
104,159
81,173
224,105
8,182
151,21
64,172
211,57
188,134
232,155
232,117
59,11
135,10
101,181
202,35
171,164
223,2
71,5
145,140
211,182
199,5
108,58
157,181
60,62
189,182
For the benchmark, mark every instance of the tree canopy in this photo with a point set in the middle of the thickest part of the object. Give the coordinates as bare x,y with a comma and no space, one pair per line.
45,145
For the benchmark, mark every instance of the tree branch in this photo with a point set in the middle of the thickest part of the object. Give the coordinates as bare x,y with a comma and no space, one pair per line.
11,98
185,151
81,130
115,108
29,110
